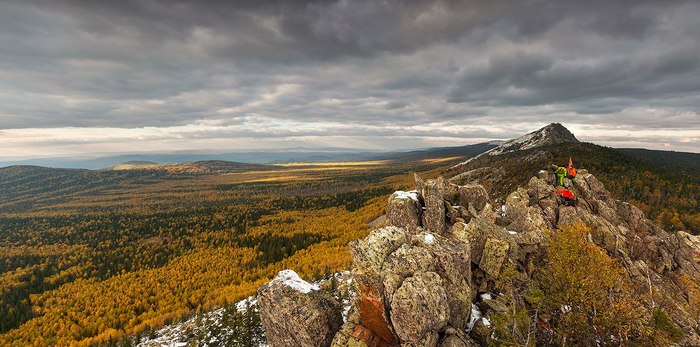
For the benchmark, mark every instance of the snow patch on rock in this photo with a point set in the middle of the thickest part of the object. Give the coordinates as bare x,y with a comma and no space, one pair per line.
400,194
290,279
473,318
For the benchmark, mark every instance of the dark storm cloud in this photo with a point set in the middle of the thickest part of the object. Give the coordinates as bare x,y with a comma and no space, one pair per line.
382,66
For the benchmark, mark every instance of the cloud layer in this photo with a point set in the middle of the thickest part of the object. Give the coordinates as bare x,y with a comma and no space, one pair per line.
82,76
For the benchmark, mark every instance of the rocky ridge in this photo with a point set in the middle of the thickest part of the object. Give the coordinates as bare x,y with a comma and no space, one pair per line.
419,277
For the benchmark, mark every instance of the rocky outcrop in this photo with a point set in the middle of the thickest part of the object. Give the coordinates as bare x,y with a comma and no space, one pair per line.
434,216
414,282
435,266
404,210
296,313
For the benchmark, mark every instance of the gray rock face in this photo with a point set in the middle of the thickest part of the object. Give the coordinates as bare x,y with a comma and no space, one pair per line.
589,187
688,255
294,313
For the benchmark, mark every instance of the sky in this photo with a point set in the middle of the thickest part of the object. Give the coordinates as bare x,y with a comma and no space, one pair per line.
83,77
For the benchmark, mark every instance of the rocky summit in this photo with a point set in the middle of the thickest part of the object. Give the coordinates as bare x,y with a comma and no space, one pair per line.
551,134
434,274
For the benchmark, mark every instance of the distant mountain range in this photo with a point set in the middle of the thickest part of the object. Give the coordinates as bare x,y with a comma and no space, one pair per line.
552,134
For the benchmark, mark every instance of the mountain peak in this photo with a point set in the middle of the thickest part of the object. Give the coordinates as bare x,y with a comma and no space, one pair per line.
549,135
557,132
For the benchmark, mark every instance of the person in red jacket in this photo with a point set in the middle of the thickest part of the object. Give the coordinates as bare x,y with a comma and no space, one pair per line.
567,197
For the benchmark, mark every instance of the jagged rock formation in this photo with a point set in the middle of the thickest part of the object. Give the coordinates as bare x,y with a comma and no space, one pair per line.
418,277
296,313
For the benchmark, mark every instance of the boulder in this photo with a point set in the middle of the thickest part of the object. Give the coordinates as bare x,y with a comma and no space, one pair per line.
495,253
404,210
434,216
346,336
477,231
589,186
473,195
419,309
295,313
523,218
369,256
420,184
568,215
538,188
453,264
494,306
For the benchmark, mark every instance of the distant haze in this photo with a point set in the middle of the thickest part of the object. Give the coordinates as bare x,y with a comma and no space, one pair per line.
115,77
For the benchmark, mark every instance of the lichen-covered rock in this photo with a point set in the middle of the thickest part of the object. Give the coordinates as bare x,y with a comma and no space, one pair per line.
404,210
494,306
539,189
477,231
434,216
523,217
590,187
346,337
688,254
295,313
495,253
419,309
473,195
481,332
453,264
568,215
369,254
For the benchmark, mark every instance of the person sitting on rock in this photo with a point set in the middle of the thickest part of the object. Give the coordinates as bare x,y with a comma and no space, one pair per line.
567,197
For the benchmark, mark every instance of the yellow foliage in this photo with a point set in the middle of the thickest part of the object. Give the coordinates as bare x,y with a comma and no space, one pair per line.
588,294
